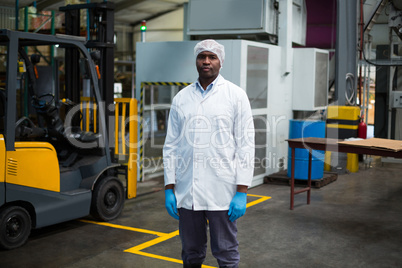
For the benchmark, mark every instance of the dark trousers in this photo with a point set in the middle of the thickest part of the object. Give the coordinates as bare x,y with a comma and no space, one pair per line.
193,234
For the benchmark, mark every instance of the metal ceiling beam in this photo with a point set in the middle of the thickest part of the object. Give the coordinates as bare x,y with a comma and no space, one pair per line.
126,4
376,11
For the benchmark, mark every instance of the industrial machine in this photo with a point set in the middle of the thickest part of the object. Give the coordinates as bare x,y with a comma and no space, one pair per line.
53,171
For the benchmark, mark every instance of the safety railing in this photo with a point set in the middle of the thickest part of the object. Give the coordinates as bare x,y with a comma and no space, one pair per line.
88,107
121,119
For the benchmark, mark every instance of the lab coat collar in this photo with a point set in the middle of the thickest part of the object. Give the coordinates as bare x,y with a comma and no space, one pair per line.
218,81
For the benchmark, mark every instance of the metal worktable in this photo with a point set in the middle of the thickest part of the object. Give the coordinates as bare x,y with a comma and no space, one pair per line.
324,144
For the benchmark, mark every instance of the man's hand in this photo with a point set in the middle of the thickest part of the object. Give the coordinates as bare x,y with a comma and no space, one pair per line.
237,207
171,203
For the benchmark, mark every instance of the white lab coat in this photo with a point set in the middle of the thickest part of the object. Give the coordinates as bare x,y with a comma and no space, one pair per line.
209,147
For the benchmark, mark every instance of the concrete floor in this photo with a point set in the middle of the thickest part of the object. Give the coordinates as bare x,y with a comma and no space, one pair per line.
355,221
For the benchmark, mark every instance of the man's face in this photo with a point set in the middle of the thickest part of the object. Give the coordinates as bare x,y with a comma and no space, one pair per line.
208,65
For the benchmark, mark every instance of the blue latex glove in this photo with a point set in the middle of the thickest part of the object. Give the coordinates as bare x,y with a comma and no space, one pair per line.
237,207
171,203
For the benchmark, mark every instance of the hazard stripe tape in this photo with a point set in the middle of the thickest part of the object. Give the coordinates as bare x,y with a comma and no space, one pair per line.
141,108
165,84
341,126
343,121
141,113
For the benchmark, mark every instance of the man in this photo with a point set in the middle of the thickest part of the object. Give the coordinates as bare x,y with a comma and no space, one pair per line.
208,159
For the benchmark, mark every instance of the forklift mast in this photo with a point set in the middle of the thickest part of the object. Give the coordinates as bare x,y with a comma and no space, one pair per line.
100,37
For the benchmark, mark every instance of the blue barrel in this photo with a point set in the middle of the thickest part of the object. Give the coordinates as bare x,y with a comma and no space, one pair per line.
306,129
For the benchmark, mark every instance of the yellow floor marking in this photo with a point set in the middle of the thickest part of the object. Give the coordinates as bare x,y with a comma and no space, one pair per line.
153,242
163,236
156,256
255,202
165,258
125,228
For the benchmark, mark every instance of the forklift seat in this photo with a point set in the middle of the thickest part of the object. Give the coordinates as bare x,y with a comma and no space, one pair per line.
80,135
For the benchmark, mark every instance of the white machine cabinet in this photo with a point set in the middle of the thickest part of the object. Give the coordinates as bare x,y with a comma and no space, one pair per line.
310,79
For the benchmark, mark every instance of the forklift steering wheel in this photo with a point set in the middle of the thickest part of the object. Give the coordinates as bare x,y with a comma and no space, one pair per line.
28,130
38,103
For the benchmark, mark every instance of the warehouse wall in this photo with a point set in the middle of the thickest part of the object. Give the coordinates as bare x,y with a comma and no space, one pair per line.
168,27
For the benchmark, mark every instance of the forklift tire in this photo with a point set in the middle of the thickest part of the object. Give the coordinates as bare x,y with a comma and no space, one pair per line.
15,227
107,199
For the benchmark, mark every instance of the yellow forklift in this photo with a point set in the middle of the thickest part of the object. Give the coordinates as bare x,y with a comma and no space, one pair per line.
51,170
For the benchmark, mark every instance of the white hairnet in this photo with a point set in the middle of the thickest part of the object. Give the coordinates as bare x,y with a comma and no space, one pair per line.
211,46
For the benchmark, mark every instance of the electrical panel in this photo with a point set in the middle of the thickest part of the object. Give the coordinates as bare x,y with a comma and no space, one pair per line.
396,99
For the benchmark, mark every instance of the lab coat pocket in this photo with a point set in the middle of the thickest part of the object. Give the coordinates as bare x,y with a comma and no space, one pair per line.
226,172
222,192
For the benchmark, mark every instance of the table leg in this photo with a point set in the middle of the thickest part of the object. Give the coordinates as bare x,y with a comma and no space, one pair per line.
292,181
310,158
